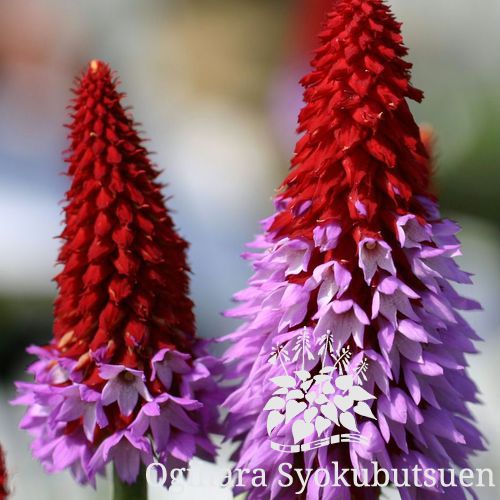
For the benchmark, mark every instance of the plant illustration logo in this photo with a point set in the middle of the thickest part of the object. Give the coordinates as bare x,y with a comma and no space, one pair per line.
320,404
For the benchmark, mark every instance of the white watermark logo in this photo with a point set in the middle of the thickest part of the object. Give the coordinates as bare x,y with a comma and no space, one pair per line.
332,477
320,403
317,404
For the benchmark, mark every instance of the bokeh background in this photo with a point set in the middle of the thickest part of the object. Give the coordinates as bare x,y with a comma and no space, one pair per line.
214,83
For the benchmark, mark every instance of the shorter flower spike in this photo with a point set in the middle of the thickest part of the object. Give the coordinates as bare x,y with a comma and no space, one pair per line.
124,380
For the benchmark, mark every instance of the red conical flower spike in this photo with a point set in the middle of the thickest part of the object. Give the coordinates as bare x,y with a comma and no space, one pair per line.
124,285
124,363
357,122
351,356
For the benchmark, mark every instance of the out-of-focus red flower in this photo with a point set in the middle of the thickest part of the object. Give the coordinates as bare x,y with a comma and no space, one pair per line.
3,477
308,15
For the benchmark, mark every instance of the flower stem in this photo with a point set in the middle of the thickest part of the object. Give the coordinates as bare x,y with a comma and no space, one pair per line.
136,491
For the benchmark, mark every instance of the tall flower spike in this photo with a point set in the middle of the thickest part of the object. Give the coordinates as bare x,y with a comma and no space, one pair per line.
125,379
356,263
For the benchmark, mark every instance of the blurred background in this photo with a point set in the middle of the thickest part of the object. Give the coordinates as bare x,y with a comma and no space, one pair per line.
214,83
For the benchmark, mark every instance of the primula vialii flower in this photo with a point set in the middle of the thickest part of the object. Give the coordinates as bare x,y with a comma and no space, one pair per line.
351,328
125,379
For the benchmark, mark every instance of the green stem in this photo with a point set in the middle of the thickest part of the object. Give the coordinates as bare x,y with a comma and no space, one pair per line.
136,491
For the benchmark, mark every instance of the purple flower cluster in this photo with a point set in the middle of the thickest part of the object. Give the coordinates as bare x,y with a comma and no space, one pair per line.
82,429
414,343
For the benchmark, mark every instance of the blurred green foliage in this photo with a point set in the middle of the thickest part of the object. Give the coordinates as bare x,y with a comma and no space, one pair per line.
471,185
23,320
